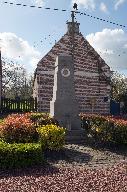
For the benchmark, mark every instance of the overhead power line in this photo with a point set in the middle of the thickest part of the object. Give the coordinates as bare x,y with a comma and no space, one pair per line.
98,18
64,10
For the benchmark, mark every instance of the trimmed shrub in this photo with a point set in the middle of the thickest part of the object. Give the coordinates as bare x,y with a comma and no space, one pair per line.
18,128
36,116
105,128
120,135
47,121
52,137
20,155
1,121
40,119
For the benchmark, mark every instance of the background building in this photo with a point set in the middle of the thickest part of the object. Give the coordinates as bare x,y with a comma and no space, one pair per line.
92,74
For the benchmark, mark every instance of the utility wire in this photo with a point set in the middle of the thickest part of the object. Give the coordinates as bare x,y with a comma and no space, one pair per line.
98,18
65,10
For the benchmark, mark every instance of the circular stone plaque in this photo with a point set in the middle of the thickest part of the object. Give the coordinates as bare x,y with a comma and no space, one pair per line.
65,72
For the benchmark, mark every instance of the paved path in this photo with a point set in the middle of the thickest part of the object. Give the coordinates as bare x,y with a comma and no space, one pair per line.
83,156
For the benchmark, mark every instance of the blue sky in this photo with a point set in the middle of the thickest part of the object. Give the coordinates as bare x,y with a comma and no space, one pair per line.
27,34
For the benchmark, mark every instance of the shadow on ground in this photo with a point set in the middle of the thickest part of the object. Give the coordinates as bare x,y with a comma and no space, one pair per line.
34,171
67,155
119,149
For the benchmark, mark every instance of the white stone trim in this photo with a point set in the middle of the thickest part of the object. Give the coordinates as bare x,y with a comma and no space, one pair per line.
46,73
86,74
79,73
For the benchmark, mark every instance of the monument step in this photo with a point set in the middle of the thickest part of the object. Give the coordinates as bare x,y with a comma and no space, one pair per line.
76,132
75,136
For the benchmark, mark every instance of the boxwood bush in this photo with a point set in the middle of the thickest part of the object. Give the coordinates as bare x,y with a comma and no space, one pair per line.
52,137
20,155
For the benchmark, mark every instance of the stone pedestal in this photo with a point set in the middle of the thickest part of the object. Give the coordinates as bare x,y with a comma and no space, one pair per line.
64,106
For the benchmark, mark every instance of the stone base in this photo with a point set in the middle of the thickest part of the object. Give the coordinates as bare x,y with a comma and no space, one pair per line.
75,136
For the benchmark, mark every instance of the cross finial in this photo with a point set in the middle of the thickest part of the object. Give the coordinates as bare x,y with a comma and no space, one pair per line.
75,6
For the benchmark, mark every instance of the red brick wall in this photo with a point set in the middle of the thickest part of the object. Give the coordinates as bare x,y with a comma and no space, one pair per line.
87,83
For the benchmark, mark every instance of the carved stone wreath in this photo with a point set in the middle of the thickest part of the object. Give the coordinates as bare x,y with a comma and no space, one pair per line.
65,72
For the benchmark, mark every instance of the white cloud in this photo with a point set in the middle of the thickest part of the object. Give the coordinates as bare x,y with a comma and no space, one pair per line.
87,4
15,48
112,47
103,7
34,61
118,3
35,2
39,2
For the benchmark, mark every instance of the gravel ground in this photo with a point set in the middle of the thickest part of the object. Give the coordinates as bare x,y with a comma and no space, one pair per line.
77,168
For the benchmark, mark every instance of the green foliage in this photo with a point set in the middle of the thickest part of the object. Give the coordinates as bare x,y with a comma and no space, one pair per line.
16,81
20,155
18,128
40,119
52,137
19,134
1,121
119,86
107,129
47,121
35,117
120,127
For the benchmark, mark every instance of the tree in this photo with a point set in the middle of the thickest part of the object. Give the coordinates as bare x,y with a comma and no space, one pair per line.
16,81
27,88
119,86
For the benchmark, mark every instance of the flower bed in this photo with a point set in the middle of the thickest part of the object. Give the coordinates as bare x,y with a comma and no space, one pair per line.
25,137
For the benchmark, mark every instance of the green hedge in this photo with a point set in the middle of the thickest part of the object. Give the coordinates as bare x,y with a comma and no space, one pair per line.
20,155
105,128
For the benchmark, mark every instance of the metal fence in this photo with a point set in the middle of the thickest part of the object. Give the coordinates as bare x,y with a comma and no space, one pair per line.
18,105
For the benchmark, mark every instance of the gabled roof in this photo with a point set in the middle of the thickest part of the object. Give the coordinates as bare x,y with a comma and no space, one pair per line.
83,51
